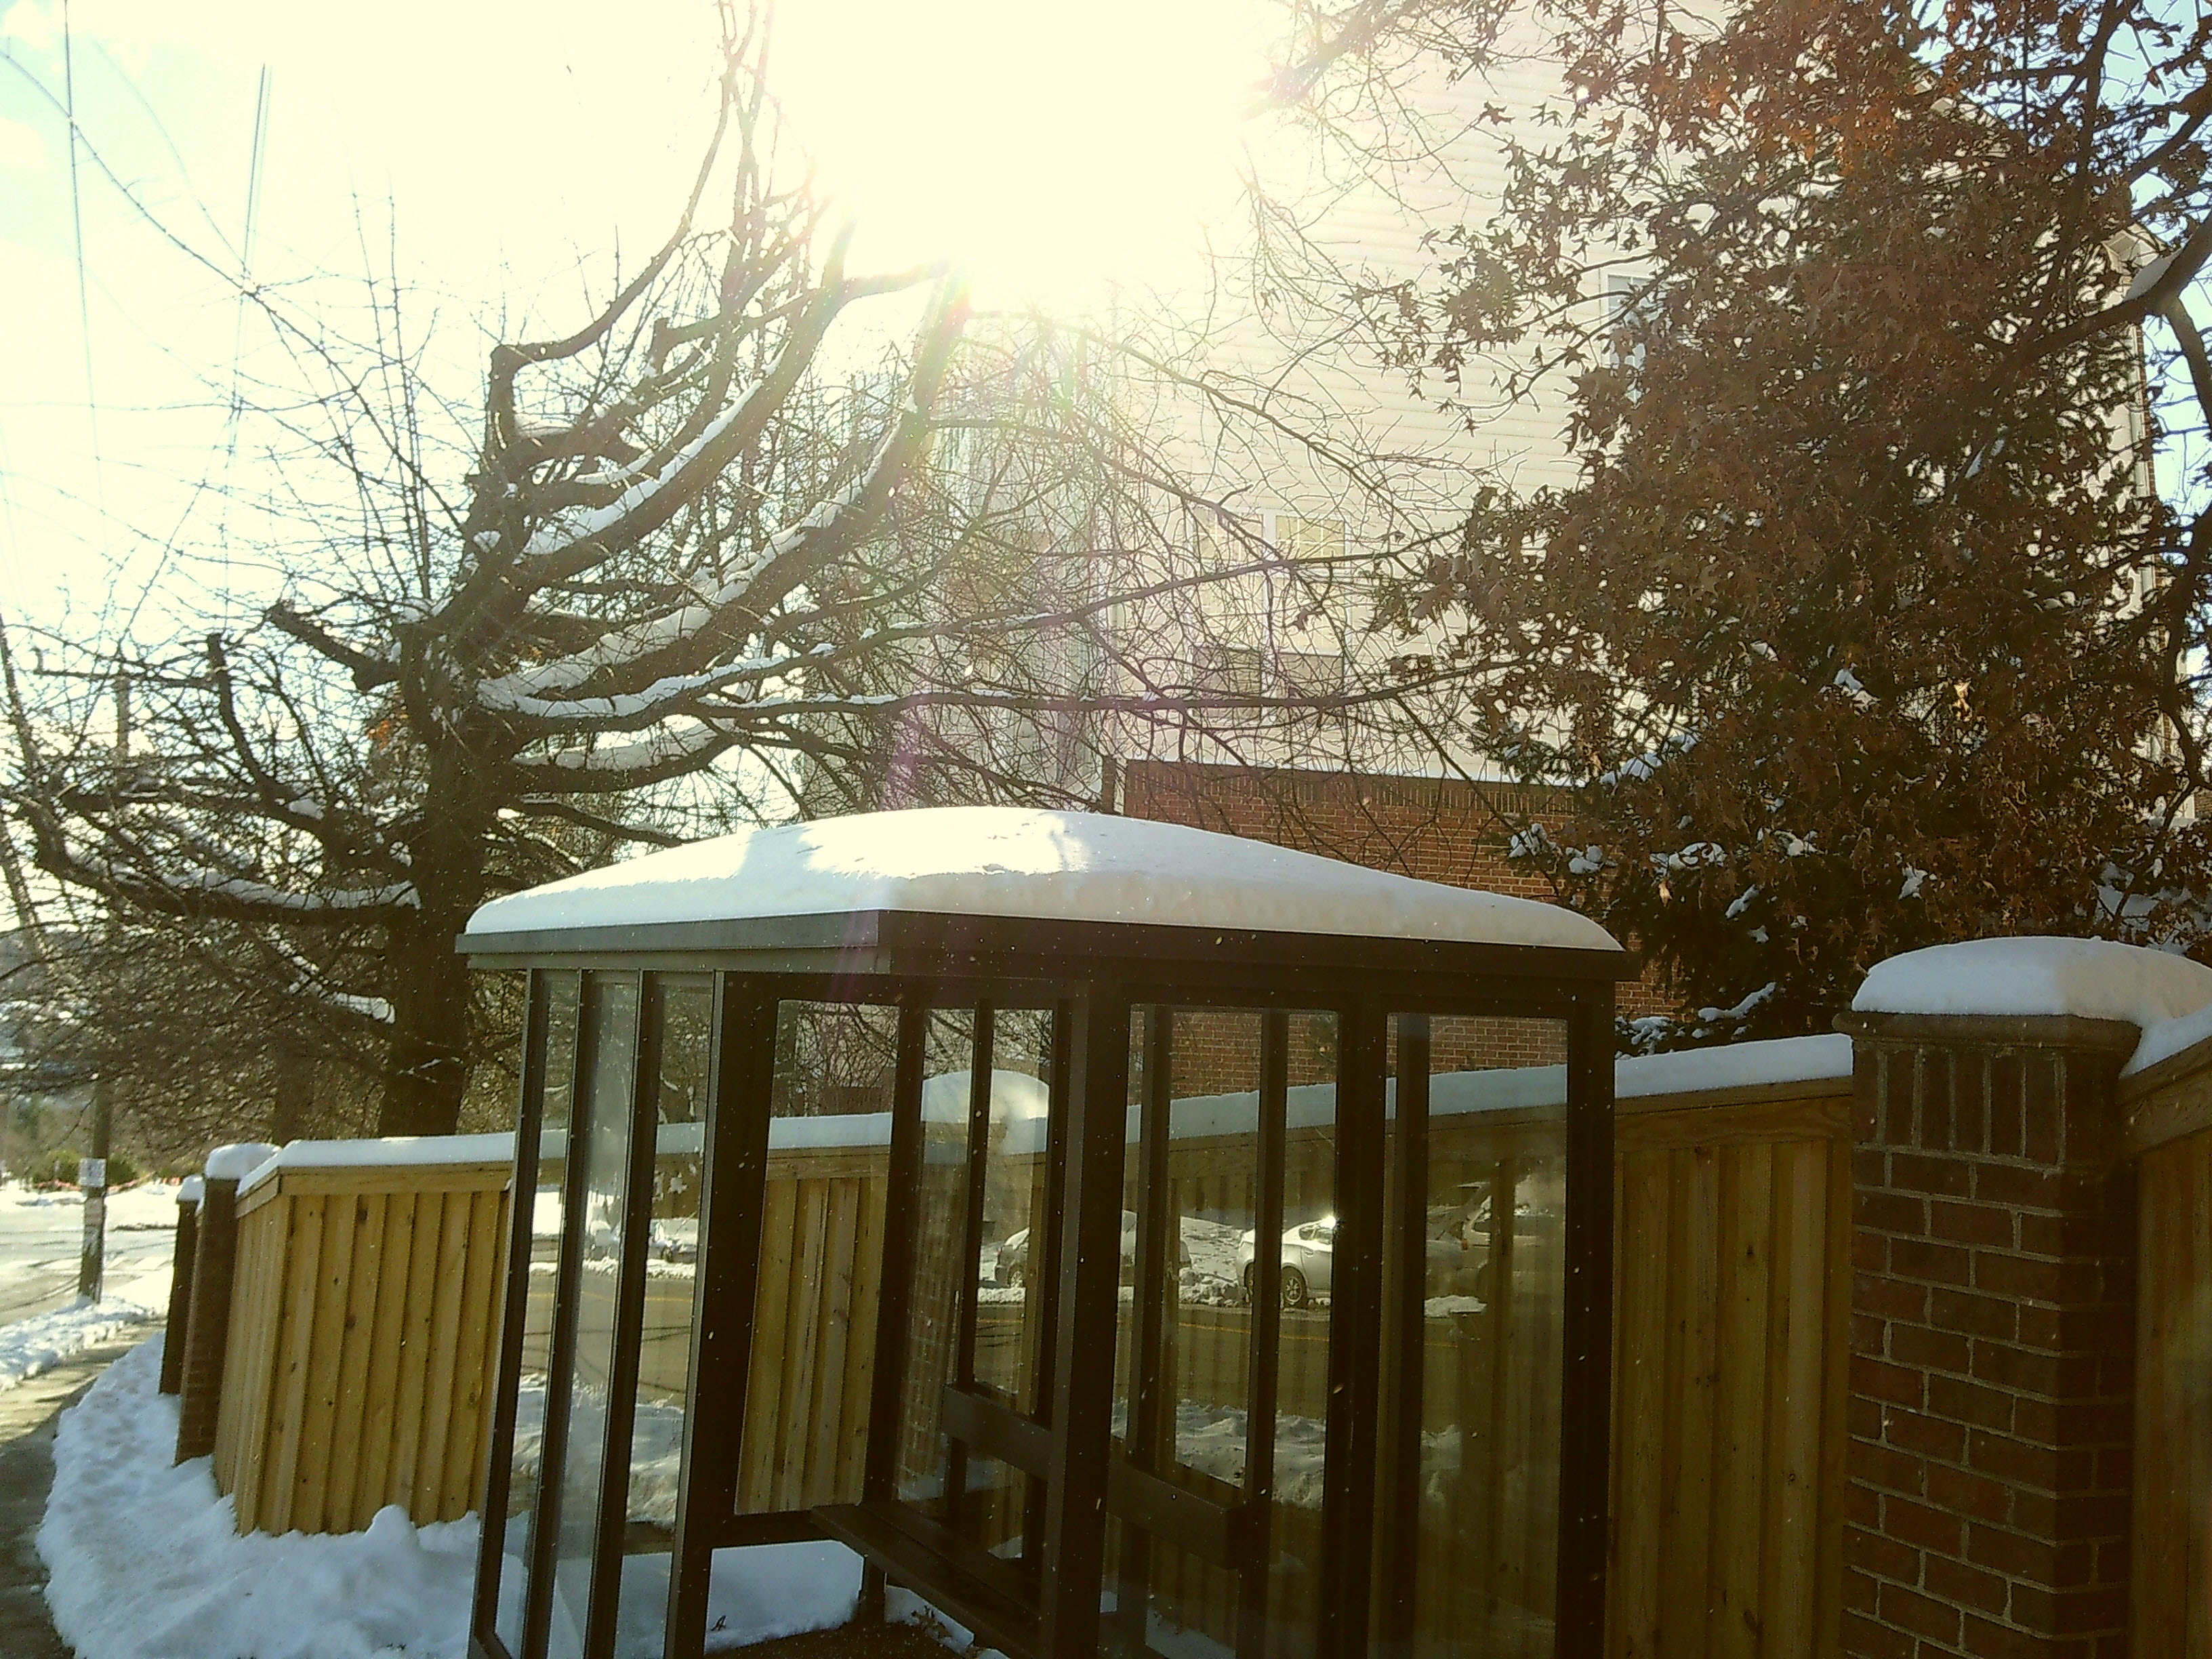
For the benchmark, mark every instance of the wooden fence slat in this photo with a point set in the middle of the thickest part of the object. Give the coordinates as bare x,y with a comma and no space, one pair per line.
494,1323
798,1347
1641,1348
270,1269
1740,1396
1794,1358
378,1431
295,1301
363,1274
860,1343
325,1347
442,1362
1828,1598
764,1386
823,1454
414,1366
1692,1288
466,1390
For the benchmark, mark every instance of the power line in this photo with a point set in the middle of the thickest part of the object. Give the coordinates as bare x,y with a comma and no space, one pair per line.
76,221
238,326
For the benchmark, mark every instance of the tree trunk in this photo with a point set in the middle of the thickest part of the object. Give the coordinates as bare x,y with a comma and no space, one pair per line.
425,979
293,1098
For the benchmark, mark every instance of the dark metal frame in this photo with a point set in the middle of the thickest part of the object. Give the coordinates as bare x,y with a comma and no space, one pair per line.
1093,975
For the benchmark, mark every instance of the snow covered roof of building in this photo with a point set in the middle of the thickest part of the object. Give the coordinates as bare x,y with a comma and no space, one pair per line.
1003,861
2090,978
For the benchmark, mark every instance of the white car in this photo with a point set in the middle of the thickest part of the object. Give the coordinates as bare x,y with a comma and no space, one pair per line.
1012,1264
1455,1260
1308,1253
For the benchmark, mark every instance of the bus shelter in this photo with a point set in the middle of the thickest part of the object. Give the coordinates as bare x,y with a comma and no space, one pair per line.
1129,1238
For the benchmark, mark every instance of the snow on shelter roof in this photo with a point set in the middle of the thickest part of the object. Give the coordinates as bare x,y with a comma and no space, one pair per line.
1005,861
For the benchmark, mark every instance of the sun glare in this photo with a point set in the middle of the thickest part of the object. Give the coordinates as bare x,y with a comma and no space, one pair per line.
1051,149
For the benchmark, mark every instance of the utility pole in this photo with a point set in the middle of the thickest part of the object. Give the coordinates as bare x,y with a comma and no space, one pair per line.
92,1172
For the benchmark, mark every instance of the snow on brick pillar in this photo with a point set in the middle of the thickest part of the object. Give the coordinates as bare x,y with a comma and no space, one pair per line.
1992,1338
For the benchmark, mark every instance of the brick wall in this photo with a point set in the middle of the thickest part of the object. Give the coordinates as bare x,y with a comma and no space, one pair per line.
1992,1333
1443,830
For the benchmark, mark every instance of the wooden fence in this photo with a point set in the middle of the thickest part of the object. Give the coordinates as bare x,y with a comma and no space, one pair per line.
2170,1132
1732,1298
361,1362
361,1353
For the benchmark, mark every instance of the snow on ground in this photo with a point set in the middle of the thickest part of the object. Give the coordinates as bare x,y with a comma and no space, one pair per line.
145,1562
41,1342
41,1233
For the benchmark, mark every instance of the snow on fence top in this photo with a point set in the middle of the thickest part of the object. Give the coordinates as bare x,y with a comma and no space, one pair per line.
1021,1102
2092,978
2169,1036
377,1154
192,1189
1013,861
238,1161
1519,1088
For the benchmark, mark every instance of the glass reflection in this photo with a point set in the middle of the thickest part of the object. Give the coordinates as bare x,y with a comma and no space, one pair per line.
1483,1556
540,1289
611,1009
679,1017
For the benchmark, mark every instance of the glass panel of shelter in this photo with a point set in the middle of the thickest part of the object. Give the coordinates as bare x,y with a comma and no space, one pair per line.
668,1171
1222,1454
1223,1360
953,1266
580,1398
1466,1539
550,1070
823,1214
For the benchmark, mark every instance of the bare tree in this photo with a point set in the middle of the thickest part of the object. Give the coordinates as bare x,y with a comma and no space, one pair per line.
709,557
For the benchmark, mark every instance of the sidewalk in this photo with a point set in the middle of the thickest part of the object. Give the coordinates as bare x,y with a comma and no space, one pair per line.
28,1413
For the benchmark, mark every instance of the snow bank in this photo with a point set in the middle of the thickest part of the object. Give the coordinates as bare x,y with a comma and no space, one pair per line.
43,1341
145,1563
1014,861
377,1152
2092,978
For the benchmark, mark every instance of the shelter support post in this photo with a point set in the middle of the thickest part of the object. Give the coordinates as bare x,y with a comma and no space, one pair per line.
1586,1402
1089,1267
733,1194
1355,1337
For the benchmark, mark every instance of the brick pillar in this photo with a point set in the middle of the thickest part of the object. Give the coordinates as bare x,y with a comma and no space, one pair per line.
184,1249
207,1328
1992,1340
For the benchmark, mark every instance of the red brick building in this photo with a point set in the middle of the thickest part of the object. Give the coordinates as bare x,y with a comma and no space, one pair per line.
1442,830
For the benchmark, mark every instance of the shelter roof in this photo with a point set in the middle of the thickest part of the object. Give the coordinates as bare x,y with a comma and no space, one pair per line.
1020,863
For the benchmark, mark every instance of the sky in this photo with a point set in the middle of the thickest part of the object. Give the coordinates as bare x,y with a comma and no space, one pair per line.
498,156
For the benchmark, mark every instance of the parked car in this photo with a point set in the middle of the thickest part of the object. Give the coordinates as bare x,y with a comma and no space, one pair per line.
1456,1255
1012,1264
1309,1254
